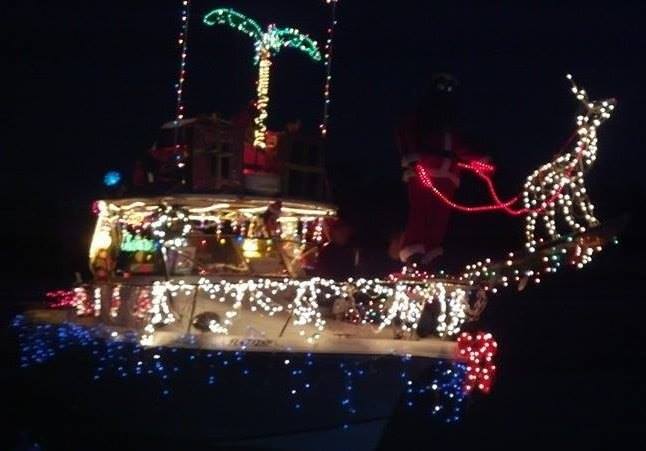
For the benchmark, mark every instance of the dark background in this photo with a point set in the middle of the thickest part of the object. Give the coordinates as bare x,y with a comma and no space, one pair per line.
90,84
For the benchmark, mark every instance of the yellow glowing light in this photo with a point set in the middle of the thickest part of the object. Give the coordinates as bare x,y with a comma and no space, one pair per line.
251,248
101,239
260,130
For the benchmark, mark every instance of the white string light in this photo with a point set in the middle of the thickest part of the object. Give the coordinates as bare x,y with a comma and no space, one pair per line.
182,41
328,54
560,184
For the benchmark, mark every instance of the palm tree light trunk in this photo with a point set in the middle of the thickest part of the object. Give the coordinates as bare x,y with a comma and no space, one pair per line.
260,131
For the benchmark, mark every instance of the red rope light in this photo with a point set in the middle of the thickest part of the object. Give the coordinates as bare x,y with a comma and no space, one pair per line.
482,170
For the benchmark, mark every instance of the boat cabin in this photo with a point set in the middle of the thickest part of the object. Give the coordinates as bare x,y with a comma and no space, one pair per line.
210,154
202,235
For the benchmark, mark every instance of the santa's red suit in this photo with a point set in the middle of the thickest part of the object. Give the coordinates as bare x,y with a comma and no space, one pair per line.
439,152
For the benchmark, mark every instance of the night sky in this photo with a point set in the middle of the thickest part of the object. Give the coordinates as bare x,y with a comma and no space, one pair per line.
92,82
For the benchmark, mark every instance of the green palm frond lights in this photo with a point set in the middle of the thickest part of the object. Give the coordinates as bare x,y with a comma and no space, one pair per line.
266,44
225,16
273,39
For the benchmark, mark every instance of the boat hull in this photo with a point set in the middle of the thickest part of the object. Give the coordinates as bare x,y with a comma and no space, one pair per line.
288,399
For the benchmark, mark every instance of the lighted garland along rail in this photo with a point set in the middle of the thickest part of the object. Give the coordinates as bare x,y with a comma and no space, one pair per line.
574,250
313,315
301,312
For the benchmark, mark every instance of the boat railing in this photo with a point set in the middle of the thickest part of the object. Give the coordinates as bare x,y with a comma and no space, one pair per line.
147,304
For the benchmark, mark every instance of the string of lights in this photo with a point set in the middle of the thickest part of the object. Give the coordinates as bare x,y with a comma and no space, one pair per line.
498,204
266,44
559,183
401,303
328,54
564,177
384,303
346,388
182,42
479,351
386,300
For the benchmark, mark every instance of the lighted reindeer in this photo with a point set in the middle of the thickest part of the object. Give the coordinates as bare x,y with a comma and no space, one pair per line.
560,184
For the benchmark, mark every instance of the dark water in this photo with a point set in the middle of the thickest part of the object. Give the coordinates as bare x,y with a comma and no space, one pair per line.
570,357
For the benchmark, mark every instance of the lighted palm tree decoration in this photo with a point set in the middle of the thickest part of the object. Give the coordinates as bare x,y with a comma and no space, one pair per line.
267,43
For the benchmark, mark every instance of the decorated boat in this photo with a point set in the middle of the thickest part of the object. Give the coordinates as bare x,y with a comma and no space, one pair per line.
205,280
229,280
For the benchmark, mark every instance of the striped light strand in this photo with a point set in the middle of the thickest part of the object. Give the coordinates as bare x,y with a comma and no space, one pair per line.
328,52
182,41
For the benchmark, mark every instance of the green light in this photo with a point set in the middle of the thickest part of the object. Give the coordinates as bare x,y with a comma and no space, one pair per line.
273,39
266,44
226,16
290,37
131,243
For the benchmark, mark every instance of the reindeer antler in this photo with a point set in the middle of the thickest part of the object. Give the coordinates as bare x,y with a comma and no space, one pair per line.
581,94
601,108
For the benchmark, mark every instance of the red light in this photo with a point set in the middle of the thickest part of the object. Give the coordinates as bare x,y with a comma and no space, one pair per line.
478,347
483,170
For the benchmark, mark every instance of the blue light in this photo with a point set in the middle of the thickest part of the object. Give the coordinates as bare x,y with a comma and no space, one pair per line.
111,178
440,393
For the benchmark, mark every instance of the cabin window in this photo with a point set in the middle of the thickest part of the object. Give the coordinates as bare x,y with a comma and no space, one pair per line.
207,254
139,254
140,262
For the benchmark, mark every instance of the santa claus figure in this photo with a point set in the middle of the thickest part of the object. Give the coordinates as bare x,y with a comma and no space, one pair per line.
429,138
